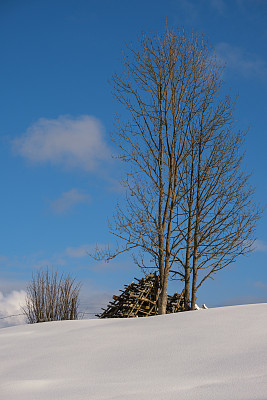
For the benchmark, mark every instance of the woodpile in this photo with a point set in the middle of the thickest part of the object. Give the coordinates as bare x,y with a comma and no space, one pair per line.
140,299
175,303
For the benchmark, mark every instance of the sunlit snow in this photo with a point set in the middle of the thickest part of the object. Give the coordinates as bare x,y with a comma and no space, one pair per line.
214,354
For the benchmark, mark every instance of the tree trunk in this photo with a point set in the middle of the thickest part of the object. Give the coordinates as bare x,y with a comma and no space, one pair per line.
187,270
196,233
194,288
72,313
163,297
195,269
188,240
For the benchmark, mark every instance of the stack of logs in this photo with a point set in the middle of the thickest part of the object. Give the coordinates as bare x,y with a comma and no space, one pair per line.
140,299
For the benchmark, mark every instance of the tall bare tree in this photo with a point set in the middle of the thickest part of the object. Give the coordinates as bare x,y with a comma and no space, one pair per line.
178,144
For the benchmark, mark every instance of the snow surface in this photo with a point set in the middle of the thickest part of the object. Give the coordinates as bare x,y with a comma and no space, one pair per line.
215,354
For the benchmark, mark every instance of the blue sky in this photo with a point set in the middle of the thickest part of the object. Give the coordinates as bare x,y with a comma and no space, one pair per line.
59,183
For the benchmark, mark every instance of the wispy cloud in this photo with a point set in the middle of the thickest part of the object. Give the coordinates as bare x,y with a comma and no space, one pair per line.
68,200
259,245
79,252
70,142
92,298
245,63
261,285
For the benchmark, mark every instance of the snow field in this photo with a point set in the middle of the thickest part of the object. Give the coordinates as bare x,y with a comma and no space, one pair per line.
215,354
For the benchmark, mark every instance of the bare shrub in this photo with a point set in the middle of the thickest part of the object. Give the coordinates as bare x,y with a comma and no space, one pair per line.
51,297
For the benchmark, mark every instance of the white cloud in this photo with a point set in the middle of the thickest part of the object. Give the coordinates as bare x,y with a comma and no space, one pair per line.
259,245
11,305
71,142
247,64
68,200
78,252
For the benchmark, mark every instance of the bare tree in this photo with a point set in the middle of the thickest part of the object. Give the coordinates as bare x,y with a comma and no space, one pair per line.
221,215
51,297
178,143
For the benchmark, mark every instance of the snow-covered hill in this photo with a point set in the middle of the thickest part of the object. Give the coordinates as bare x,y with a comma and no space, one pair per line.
215,354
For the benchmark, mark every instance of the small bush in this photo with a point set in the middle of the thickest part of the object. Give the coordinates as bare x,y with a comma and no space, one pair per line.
51,297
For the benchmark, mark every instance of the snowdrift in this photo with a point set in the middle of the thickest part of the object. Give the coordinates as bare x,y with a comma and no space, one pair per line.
215,354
